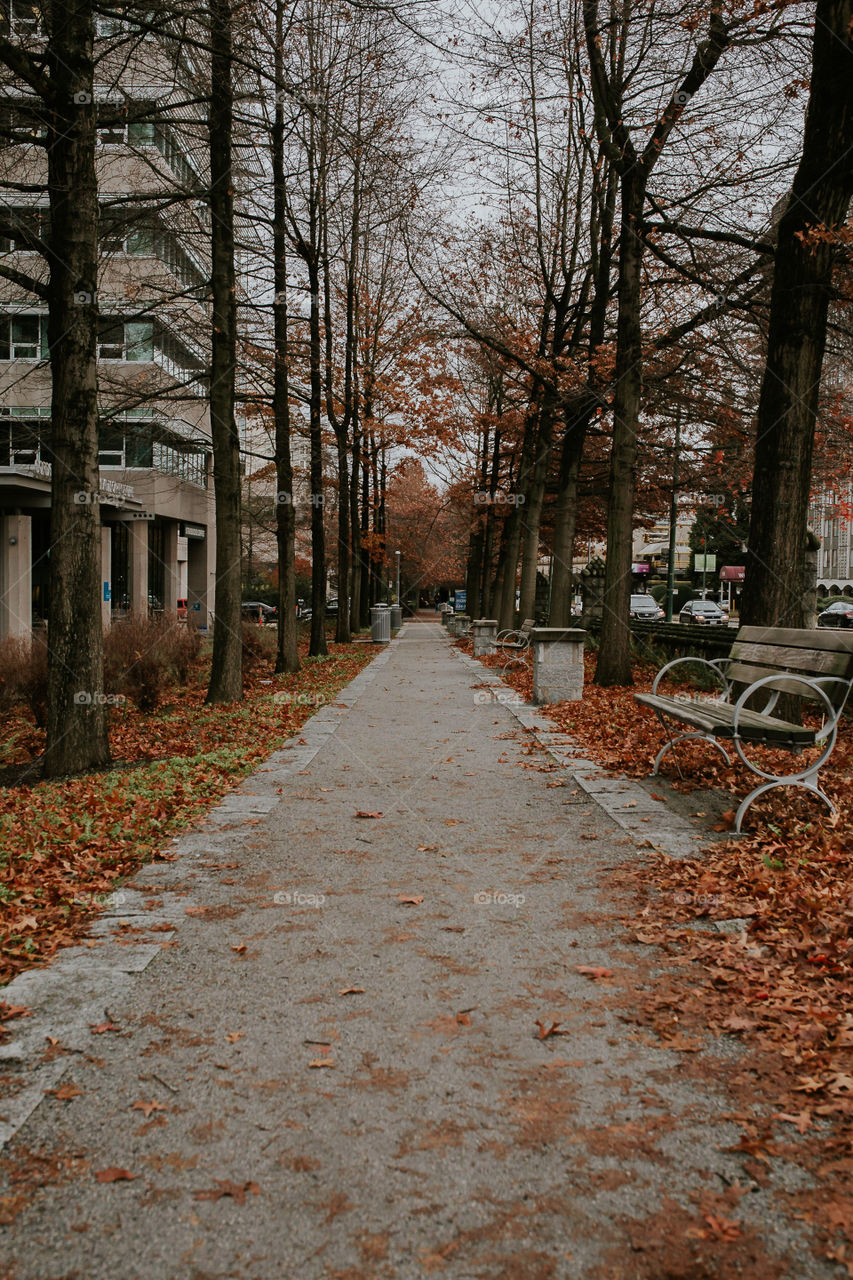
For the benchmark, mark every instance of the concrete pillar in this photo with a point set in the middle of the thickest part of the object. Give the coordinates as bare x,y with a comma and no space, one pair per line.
106,576
138,566
171,580
485,630
445,619
198,581
16,568
557,664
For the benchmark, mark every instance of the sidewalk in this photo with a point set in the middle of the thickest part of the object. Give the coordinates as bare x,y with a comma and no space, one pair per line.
307,1047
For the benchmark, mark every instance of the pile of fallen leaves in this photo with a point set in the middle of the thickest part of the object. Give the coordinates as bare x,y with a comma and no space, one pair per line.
65,844
759,928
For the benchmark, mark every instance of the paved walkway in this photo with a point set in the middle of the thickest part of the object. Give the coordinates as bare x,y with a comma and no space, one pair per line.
311,1039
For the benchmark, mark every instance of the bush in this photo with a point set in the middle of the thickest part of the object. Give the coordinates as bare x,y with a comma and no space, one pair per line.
183,643
259,643
23,676
142,656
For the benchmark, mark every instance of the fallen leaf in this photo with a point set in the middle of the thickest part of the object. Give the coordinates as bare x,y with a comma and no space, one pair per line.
593,971
351,991
236,1190
427,848
65,1092
409,899
148,1107
114,1175
98,1028
545,1031
321,1062
241,949
368,813
233,1036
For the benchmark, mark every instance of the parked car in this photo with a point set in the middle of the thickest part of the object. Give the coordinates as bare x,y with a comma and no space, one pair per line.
705,612
332,607
839,614
645,608
257,611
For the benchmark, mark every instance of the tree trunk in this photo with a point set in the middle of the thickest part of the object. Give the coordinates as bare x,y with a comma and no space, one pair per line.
565,518
614,656
774,588
531,516
287,656
357,571
226,674
318,646
76,712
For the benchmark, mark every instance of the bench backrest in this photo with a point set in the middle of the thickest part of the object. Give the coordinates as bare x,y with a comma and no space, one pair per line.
762,651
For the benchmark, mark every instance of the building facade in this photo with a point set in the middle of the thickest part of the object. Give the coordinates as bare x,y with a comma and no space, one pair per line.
155,493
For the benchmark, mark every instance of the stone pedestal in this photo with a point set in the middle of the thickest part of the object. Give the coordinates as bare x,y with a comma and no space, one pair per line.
460,623
557,664
445,619
485,630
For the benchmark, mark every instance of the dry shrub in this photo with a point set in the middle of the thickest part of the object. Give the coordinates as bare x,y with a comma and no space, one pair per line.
23,676
259,643
142,656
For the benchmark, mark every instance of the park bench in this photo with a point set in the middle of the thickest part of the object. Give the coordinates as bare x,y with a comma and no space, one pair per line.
515,643
815,667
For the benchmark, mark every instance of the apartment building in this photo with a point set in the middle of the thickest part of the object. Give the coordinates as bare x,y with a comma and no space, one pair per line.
155,494
830,517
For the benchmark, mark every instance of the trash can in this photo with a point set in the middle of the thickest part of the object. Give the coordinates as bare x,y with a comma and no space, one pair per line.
396,617
380,624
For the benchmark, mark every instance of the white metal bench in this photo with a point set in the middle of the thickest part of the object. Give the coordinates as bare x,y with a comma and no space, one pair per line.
764,663
515,643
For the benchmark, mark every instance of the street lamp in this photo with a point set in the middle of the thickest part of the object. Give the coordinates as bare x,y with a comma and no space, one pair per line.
397,554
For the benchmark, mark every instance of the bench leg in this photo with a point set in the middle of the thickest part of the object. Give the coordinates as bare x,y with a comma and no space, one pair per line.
808,782
684,737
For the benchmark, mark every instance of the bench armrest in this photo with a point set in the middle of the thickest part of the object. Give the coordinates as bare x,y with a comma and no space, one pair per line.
812,683
521,641
714,663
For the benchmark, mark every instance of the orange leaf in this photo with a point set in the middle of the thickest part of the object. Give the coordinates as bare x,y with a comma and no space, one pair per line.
114,1175
65,1092
545,1031
593,971
98,1029
233,1036
351,991
367,813
410,899
148,1107
321,1062
236,1190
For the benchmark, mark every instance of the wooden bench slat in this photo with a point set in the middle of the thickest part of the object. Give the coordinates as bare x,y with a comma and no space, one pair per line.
717,718
739,674
828,662
812,639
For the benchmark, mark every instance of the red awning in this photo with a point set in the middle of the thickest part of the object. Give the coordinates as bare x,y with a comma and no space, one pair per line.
732,573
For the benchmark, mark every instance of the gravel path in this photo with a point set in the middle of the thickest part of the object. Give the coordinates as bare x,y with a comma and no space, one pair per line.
311,1040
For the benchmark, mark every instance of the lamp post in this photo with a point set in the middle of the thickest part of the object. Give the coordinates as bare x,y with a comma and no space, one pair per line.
397,554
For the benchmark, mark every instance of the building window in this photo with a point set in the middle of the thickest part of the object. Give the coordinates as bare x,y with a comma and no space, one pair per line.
20,17
23,337
125,340
33,221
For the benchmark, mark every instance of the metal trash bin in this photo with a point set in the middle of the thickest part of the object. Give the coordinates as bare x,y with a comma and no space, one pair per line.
396,617
380,624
